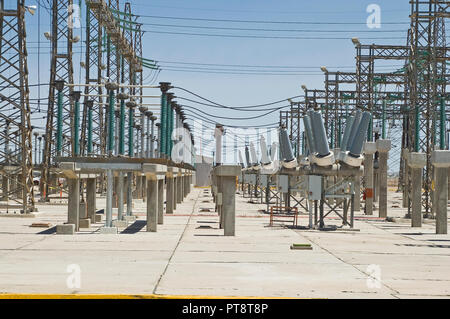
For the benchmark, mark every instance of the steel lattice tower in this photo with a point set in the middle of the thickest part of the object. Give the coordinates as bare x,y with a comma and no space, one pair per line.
16,134
61,69
94,75
427,81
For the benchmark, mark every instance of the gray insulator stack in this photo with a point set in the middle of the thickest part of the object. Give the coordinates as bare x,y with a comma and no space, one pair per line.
253,156
308,134
319,135
241,160
264,156
355,126
273,151
247,156
361,133
286,149
346,137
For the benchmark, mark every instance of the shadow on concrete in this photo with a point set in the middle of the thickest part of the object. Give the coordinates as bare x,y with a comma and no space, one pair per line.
207,235
135,227
49,231
430,246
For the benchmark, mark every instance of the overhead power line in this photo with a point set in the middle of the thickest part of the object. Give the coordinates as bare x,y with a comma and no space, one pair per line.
267,21
270,37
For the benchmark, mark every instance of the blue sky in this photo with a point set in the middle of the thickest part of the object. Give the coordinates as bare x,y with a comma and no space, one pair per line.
242,89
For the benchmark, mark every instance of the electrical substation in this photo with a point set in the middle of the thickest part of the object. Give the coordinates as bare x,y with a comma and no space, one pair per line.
111,172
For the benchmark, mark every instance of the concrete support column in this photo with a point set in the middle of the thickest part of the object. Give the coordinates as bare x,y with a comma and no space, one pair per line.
219,199
227,175
5,188
109,197
416,163
91,198
179,188
175,191
369,149
160,201
448,174
405,202
120,197
116,192
441,163
129,194
74,203
170,192
183,184
138,192
357,193
376,181
144,188
186,186
383,147
152,203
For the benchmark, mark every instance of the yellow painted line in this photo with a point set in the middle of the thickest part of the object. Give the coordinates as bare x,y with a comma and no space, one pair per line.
123,297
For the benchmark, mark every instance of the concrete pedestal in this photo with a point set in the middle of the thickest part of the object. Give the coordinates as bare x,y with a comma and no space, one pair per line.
441,163
179,189
5,188
358,193
120,198
91,198
109,197
116,192
155,194
405,190
138,191
161,202
74,203
369,149
383,147
416,163
129,193
228,174
175,192
66,229
170,192
152,204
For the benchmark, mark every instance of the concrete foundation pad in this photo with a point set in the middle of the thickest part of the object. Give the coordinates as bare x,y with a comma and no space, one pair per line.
120,223
98,218
66,229
85,223
109,230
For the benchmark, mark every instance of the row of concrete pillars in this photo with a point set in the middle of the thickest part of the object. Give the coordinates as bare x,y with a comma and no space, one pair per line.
167,188
412,195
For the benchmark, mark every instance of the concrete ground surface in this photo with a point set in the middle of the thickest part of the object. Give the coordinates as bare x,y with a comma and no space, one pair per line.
190,256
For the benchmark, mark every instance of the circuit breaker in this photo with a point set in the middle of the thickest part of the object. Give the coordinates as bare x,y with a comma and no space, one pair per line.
314,187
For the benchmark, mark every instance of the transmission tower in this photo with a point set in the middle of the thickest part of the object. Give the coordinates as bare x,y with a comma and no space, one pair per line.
15,113
61,71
